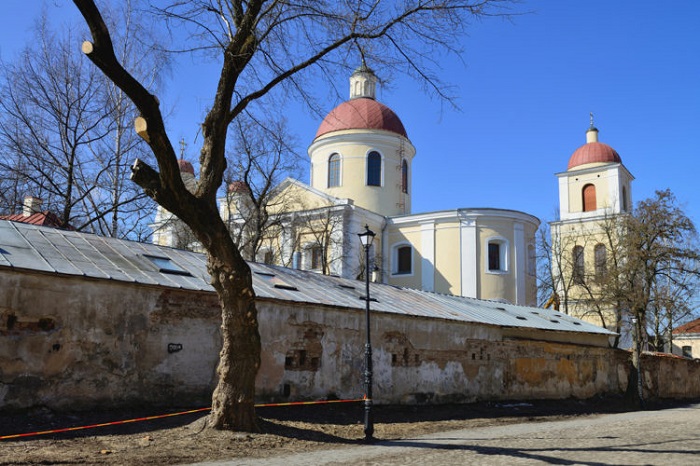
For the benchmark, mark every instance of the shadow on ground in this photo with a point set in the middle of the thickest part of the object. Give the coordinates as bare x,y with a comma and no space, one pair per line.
274,420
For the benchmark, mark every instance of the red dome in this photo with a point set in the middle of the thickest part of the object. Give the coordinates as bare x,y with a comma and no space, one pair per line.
593,152
361,113
185,166
237,187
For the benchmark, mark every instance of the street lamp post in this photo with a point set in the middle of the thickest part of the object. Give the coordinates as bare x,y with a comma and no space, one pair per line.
637,358
366,238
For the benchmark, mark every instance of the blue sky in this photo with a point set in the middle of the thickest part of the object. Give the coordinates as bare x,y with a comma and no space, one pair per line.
525,90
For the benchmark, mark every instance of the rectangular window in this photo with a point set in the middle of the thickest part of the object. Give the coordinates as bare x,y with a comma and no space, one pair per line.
316,257
403,259
687,351
268,258
494,256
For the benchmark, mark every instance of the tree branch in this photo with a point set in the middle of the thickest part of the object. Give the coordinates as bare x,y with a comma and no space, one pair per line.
101,52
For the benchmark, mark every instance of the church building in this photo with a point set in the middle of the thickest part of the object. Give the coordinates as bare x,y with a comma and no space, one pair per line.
360,175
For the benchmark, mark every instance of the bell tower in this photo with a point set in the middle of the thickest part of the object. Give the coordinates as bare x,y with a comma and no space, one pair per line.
595,182
594,189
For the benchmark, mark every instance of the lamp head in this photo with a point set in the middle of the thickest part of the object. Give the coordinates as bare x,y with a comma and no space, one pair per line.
366,237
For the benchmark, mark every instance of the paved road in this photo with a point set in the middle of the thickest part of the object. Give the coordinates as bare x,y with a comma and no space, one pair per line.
668,437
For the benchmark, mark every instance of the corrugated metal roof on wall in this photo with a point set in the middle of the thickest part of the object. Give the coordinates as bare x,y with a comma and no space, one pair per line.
31,247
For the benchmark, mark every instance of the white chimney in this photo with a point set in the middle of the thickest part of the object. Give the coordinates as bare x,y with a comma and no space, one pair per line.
31,206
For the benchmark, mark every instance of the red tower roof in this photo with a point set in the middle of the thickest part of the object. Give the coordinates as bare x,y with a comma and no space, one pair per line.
185,166
361,113
593,152
237,187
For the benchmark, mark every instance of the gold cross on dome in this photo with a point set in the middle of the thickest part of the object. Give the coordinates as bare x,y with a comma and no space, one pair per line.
183,144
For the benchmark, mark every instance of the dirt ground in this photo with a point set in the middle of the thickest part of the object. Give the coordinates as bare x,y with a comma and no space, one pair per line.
181,439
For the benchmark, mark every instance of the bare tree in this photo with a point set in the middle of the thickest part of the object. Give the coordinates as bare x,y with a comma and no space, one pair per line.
51,114
264,45
597,292
660,269
672,303
64,132
646,279
319,234
121,207
556,266
263,153
13,186
603,285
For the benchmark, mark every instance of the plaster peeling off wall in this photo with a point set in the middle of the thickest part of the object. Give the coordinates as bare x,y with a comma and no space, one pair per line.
538,369
423,360
418,360
76,343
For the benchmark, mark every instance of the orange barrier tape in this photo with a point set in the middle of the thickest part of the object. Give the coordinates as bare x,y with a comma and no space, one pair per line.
162,416
104,424
302,403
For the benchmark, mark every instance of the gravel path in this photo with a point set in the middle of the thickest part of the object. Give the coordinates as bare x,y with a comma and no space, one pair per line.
666,437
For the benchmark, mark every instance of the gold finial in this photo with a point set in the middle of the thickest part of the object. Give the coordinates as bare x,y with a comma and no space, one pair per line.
183,145
591,132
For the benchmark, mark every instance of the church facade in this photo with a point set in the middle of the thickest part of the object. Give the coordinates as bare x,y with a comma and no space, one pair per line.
360,175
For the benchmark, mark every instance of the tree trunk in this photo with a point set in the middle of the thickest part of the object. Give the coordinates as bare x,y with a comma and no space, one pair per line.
233,401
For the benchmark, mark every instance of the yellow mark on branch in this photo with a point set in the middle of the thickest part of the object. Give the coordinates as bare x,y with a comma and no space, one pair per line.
87,47
141,127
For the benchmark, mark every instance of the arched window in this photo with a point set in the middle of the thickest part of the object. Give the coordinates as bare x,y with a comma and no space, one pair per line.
601,258
579,267
589,201
624,198
334,170
374,169
404,176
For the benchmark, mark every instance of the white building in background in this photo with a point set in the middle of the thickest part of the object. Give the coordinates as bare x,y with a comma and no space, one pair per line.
686,340
168,230
361,172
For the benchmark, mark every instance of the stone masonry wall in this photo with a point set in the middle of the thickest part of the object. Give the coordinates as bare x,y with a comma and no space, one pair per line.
76,343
